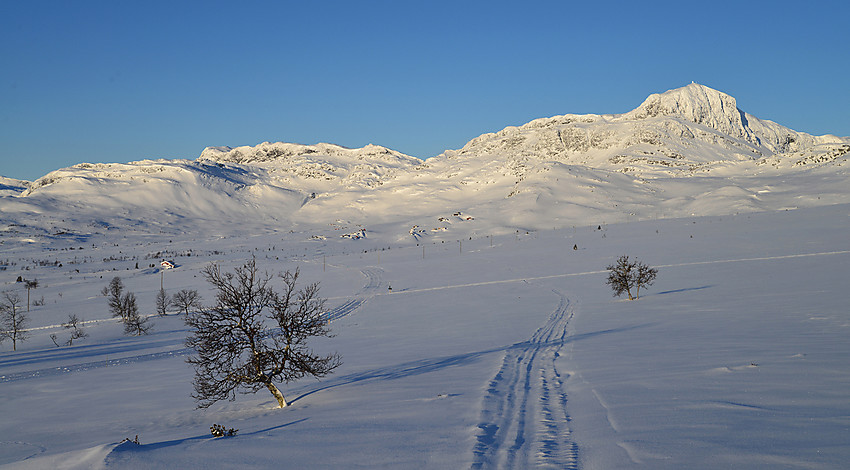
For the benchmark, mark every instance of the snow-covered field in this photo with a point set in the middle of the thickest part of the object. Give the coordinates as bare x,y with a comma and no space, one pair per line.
497,352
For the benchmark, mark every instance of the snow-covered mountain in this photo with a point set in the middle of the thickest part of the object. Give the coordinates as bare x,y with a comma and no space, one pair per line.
12,187
681,132
687,151
320,166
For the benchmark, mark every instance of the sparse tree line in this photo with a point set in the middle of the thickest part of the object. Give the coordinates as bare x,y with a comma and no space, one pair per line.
14,319
123,305
254,335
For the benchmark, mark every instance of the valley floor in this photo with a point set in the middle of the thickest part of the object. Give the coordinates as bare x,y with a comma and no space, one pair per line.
502,352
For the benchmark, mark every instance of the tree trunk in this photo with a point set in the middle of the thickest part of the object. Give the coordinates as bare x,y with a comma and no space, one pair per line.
279,396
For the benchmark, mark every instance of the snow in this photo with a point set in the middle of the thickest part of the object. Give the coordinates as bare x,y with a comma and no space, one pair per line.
510,355
11,187
489,344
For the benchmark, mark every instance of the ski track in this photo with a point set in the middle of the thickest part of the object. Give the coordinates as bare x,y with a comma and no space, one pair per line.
524,420
373,276
51,371
604,271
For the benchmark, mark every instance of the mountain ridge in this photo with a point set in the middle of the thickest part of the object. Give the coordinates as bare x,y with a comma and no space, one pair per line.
703,105
686,151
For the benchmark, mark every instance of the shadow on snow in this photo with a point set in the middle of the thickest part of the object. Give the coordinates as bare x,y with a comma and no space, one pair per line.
425,366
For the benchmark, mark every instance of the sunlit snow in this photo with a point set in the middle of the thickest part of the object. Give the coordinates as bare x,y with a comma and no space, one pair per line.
470,311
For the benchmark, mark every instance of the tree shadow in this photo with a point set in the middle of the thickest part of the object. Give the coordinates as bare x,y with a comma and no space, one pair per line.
130,446
114,347
686,289
425,366
274,428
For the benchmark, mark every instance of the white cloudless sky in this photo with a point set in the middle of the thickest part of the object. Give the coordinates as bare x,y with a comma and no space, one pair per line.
105,81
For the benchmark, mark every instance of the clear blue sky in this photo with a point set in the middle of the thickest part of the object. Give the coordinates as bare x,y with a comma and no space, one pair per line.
114,81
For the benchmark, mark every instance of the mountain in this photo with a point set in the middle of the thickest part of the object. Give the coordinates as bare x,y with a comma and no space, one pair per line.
304,166
686,151
719,111
11,187
683,132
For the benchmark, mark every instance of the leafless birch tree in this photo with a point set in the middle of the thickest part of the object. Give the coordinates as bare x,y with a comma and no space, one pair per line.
254,336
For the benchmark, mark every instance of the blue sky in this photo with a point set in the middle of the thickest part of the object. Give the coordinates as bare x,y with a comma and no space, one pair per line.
114,81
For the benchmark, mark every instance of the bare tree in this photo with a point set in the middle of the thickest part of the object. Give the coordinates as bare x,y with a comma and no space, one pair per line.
114,293
134,324
163,301
187,299
13,321
254,336
123,304
645,277
74,324
626,275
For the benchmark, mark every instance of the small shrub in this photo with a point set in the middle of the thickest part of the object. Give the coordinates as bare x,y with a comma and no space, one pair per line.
133,441
218,430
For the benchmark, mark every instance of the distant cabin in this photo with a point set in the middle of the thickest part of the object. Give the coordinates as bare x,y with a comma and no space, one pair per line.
167,265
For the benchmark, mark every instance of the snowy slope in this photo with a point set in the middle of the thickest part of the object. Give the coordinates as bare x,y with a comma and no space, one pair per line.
151,195
12,187
687,151
502,352
321,167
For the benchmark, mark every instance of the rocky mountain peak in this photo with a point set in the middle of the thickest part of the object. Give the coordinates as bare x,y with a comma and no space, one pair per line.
699,104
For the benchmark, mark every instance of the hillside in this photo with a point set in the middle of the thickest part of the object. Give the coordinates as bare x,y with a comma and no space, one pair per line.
687,151
12,187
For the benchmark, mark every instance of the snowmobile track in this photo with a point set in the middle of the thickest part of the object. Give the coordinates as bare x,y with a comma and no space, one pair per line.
524,421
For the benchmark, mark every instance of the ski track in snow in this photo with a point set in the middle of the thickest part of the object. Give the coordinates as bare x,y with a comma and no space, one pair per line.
524,420
50,371
373,275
